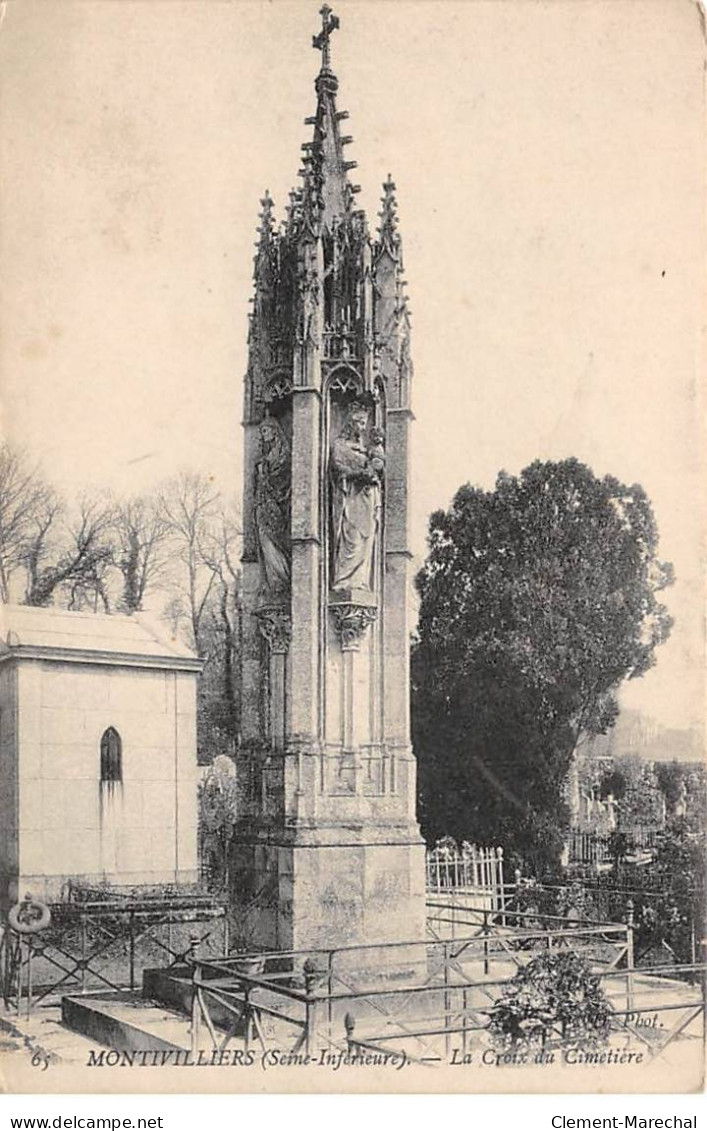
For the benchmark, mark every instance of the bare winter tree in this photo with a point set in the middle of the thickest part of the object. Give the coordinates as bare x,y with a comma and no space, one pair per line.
221,635
189,510
79,567
203,575
105,556
140,542
28,509
42,538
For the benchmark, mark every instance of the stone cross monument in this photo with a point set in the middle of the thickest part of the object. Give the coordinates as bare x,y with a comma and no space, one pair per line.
327,850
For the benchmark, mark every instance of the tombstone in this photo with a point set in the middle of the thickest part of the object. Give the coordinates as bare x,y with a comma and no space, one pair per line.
327,848
97,753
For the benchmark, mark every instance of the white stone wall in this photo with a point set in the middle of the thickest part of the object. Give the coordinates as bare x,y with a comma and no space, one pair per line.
142,831
8,776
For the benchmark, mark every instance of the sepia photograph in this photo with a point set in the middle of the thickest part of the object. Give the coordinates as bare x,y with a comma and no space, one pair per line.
352,622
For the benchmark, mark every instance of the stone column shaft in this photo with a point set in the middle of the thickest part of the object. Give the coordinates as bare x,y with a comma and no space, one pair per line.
306,550
396,582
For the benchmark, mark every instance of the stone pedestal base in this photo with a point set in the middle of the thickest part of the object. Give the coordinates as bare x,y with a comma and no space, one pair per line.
299,891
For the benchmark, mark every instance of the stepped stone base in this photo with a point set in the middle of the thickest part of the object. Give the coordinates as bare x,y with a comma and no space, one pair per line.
125,1021
367,889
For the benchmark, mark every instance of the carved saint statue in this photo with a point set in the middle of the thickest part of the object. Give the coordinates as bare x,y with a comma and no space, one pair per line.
356,471
309,296
272,507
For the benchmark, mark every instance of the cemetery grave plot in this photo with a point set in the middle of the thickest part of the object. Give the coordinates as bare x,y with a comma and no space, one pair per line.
105,943
419,998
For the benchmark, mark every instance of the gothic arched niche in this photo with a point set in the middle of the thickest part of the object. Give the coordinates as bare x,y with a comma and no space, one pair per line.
277,392
111,756
342,292
355,463
273,490
344,382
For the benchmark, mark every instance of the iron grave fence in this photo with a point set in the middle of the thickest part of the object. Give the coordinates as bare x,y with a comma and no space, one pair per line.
420,1001
106,943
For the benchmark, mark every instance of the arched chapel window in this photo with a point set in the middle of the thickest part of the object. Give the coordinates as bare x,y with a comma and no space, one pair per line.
111,756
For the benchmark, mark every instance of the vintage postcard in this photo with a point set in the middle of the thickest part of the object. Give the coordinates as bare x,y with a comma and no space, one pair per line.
352,546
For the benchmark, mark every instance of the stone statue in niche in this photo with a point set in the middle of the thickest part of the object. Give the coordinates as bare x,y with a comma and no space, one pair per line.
309,298
356,469
376,452
272,508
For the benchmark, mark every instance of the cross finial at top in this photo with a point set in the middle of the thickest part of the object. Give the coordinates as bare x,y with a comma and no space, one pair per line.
330,23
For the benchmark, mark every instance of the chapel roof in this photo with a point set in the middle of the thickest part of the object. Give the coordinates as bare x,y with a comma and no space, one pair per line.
135,641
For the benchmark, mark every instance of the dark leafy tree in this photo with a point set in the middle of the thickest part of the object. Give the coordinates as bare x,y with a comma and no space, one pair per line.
672,780
671,916
614,784
642,801
537,600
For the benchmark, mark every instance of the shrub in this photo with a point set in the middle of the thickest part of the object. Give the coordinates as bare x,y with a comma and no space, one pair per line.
554,997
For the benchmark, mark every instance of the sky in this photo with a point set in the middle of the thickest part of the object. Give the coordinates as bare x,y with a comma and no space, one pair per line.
549,159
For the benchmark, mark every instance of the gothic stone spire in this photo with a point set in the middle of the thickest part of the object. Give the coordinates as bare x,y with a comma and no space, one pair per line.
327,192
321,281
